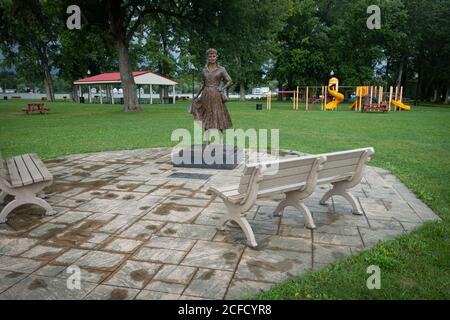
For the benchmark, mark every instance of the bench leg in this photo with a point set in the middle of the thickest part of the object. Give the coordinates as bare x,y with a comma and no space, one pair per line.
245,226
8,208
294,199
234,212
18,201
340,191
280,208
43,204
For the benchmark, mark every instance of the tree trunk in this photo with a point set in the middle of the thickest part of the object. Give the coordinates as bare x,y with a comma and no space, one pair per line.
241,91
48,81
130,100
435,96
118,30
400,73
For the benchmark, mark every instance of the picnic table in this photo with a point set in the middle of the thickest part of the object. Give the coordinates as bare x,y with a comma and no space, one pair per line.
36,107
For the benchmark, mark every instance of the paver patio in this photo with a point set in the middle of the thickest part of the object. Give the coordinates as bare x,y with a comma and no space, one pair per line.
137,233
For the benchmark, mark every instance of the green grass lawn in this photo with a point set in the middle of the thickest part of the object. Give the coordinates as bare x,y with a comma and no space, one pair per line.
414,145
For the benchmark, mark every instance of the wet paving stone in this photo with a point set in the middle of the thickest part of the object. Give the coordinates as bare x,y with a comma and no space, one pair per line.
272,265
159,255
45,253
22,265
104,292
170,243
15,246
9,278
122,245
134,274
209,283
214,255
239,289
188,231
143,229
100,260
44,288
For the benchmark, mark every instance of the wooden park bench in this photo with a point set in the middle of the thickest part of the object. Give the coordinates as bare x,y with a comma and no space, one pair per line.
295,177
23,177
36,107
344,170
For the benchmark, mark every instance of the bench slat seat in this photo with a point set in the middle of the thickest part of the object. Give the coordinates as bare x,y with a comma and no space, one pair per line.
23,177
27,169
14,176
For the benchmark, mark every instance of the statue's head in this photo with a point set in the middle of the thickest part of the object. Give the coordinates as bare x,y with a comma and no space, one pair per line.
212,55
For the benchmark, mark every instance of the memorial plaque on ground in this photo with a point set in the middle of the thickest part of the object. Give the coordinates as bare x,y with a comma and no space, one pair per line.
207,156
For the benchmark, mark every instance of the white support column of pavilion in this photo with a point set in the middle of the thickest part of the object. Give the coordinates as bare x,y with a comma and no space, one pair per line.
112,94
79,93
89,94
151,94
173,87
101,94
139,94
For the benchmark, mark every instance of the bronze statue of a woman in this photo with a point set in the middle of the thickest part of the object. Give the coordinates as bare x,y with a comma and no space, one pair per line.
209,107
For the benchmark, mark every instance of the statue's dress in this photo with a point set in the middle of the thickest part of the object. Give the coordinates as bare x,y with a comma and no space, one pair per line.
210,106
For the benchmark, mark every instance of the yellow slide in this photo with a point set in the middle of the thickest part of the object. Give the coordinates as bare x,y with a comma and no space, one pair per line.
401,105
338,97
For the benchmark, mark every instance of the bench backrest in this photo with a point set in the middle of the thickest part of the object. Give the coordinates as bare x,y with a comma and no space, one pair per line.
285,174
344,165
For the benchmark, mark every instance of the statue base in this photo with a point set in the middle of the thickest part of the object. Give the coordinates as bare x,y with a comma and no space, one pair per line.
207,156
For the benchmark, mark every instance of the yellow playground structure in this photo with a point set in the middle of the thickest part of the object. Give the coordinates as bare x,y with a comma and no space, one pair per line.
367,98
333,89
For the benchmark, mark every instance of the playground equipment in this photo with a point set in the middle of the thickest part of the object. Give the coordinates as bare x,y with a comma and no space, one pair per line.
368,98
373,99
333,89
401,105
399,102
295,98
360,92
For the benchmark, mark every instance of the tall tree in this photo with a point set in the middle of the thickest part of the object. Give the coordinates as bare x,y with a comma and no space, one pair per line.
29,32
